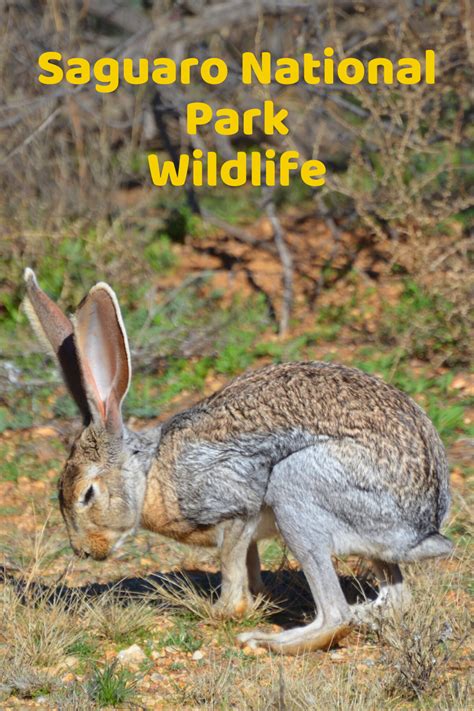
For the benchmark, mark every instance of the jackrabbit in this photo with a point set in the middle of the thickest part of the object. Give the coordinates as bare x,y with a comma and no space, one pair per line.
335,460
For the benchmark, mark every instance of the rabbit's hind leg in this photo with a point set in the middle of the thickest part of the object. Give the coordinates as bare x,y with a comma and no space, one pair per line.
333,615
393,594
301,523
393,590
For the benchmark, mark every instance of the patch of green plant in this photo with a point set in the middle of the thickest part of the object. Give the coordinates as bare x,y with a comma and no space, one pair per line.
183,375
237,655
159,254
149,393
426,324
448,419
360,178
273,553
465,217
235,356
143,397
64,407
9,510
182,635
25,411
234,206
180,222
35,388
177,666
126,639
84,648
112,685
296,193
42,691
461,531
138,160
146,665
75,258
330,320
18,462
237,350
291,350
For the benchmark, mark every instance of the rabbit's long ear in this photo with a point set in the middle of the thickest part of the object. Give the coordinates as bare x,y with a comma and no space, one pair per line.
104,355
55,331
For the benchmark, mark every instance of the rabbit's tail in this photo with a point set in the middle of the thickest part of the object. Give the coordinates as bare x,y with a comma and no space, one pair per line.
434,545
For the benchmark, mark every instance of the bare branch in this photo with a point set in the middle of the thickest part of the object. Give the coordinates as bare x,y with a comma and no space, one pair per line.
286,263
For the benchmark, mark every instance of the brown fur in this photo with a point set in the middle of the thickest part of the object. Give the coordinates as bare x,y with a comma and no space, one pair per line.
94,460
161,513
318,398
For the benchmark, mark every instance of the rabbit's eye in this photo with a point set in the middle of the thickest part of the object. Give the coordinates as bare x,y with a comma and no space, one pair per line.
88,495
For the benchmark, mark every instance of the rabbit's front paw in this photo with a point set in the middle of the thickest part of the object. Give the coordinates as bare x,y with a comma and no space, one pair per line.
228,607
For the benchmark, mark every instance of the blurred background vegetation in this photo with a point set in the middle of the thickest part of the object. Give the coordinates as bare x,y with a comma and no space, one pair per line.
372,270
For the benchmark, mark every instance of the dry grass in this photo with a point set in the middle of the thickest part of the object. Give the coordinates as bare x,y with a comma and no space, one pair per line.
65,650
412,661
419,643
182,595
119,620
416,656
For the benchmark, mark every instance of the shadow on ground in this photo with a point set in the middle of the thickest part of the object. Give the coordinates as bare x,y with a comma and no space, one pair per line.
288,588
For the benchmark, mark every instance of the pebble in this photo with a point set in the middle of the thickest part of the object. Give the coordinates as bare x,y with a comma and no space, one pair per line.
197,656
131,655
71,662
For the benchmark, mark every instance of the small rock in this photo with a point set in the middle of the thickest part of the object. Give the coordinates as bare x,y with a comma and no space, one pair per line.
70,662
131,655
157,655
197,656
68,678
